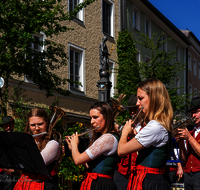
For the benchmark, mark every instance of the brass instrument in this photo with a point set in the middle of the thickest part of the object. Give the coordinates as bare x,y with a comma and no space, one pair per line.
182,125
79,135
56,114
117,106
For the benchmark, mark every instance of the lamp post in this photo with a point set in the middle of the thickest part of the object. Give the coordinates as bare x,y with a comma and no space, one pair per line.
104,85
1,86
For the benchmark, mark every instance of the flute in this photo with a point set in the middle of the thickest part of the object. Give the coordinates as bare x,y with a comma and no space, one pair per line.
79,135
39,134
135,118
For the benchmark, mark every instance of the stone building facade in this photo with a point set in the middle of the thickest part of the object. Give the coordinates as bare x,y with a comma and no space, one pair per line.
193,66
82,45
144,17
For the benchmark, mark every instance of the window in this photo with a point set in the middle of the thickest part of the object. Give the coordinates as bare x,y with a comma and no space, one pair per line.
195,67
136,18
195,92
190,91
164,45
177,52
72,5
199,72
36,48
108,27
147,59
111,65
178,85
138,56
148,27
189,63
76,68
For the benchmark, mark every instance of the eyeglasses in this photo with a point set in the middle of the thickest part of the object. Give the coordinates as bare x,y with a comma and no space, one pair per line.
38,124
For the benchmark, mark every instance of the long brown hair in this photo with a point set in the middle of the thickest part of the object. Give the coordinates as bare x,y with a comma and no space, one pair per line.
39,112
160,108
107,113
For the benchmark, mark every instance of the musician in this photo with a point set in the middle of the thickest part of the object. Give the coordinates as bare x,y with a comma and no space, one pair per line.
127,163
7,181
173,170
38,122
152,141
191,155
101,156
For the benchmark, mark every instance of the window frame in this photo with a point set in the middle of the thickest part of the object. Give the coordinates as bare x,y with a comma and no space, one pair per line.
112,77
190,87
178,85
164,45
111,3
138,58
137,18
81,89
195,91
178,52
195,67
80,15
42,37
199,71
148,20
147,57
189,62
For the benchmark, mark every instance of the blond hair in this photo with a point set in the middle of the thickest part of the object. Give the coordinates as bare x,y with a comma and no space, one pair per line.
160,108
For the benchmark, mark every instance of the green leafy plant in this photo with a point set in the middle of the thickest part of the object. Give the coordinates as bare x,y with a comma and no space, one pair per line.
20,21
127,73
68,170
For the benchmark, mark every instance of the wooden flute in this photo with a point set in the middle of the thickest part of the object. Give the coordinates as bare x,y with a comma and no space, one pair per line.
135,118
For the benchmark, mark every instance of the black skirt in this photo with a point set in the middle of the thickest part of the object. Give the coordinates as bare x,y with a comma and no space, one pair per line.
155,182
102,183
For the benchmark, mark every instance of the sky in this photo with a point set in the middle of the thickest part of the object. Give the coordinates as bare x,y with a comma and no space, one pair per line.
184,14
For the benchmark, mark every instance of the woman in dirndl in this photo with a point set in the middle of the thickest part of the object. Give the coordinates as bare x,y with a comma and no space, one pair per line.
101,156
153,140
38,122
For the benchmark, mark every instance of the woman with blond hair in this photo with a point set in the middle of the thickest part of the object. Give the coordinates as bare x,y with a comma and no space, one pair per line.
152,141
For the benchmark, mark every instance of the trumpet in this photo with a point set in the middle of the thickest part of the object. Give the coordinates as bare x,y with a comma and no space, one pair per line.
182,125
79,135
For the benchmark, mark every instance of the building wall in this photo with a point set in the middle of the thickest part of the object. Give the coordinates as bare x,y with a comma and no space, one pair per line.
86,35
194,79
157,27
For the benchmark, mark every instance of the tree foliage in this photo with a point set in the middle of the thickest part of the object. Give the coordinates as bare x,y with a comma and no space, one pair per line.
162,65
128,69
20,21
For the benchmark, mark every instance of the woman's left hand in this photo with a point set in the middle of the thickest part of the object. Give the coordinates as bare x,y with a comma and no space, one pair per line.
74,140
128,127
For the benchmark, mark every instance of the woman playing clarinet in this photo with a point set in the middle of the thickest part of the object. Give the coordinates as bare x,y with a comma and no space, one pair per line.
101,156
153,140
38,122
